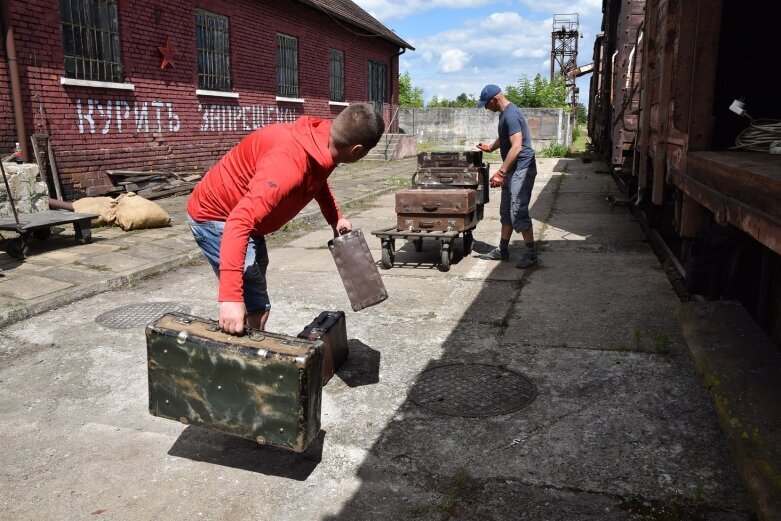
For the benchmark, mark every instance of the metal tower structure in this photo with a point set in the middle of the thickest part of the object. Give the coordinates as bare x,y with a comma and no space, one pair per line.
564,51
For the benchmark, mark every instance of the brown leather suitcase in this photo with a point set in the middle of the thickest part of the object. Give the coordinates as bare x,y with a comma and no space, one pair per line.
451,159
357,269
330,328
460,177
435,201
437,222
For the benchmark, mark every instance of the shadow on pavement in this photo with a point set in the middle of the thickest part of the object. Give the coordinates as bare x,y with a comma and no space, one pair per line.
362,367
199,444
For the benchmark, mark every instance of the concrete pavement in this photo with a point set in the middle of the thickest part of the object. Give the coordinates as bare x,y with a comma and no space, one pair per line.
620,427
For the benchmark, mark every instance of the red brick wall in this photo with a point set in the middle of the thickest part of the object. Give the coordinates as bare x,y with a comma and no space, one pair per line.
162,124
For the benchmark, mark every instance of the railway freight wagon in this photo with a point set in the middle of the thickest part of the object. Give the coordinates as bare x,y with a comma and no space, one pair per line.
613,110
688,132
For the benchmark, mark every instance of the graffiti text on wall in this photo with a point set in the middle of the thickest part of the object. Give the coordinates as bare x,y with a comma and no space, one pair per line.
121,115
219,118
141,117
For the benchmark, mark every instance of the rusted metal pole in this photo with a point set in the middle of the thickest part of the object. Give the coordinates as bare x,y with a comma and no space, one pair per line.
13,71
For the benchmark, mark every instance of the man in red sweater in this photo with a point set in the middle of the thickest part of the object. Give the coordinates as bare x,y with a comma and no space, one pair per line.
261,184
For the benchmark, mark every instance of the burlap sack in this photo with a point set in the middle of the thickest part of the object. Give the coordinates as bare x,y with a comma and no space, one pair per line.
133,212
103,206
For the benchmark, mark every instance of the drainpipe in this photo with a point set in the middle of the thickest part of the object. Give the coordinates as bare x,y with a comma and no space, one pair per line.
13,71
394,55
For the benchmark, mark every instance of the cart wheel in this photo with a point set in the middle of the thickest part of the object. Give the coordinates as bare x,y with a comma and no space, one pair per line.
83,232
388,254
468,241
446,255
17,248
42,234
418,244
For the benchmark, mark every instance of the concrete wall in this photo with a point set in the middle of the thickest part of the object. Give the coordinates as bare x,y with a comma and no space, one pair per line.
29,195
461,129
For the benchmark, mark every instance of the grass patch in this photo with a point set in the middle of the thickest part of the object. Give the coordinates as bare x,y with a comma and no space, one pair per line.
554,150
94,267
398,181
449,506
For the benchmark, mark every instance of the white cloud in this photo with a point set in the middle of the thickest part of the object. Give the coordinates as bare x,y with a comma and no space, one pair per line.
393,10
453,60
490,45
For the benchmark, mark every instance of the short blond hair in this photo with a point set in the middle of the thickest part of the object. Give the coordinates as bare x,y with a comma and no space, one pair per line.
358,125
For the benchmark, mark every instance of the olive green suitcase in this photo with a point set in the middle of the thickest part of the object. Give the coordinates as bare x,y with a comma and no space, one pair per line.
260,386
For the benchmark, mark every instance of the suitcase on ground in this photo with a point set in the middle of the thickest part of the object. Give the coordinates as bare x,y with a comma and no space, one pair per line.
356,267
434,201
260,386
451,159
331,329
437,222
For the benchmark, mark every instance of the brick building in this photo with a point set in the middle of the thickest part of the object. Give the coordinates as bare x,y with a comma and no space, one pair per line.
149,85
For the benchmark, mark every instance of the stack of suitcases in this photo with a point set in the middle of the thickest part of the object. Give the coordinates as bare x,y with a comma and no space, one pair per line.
448,192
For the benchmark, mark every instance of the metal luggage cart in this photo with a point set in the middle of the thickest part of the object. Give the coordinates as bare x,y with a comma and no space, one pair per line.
38,225
446,239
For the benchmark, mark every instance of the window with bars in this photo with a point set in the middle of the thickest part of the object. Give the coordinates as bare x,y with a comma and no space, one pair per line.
287,66
90,40
213,46
336,74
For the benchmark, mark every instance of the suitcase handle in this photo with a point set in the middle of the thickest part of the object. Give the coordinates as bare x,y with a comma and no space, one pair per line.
426,224
430,207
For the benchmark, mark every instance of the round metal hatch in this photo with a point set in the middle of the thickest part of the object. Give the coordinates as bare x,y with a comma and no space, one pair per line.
472,390
138,315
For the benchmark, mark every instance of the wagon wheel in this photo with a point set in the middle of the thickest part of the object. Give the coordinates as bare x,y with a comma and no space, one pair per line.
467,242
83,232
388,253
17,248
418,244
42,234
446,255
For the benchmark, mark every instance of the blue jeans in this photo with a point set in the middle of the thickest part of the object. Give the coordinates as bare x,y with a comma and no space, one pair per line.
208,236
516,194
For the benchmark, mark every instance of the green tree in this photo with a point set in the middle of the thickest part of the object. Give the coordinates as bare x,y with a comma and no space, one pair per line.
538,93
409,96
581,116
463,100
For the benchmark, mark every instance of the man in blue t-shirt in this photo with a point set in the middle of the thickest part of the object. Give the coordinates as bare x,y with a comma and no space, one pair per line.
515,176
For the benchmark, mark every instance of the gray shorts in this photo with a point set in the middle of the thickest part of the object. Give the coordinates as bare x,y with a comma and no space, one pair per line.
516,194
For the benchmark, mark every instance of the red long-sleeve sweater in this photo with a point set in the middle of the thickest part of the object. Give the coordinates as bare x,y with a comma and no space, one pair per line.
261,184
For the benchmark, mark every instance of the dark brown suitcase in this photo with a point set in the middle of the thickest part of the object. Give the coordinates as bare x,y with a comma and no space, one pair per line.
450,159
468,177
357,269
437,222
330,328
435,201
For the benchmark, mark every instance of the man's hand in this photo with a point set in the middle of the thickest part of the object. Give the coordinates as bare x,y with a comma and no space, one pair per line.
232,316
342,226
484,147
497,179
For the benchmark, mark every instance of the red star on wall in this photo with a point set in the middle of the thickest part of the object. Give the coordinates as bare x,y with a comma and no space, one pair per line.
168,53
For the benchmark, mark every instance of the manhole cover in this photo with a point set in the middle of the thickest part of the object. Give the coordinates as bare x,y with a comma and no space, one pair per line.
137,315
472,390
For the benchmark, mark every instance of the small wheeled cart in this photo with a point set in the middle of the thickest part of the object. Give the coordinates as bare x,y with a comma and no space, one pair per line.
446,239
38,225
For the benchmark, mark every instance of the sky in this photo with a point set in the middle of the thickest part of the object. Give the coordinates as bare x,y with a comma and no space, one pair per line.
461,45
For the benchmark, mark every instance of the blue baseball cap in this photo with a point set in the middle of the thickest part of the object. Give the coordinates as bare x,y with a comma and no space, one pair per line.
489,91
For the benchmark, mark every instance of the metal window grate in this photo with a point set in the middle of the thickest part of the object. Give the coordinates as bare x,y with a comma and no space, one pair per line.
90,40
287,66
336,74
213,47
377,84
